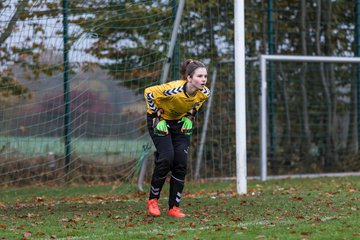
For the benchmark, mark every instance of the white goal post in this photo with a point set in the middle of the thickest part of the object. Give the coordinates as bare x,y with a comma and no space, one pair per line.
240,105
263,94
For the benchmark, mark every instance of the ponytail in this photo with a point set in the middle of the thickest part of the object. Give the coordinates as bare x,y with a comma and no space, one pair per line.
189,66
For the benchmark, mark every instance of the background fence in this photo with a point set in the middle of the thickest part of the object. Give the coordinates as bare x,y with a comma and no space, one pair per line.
117,48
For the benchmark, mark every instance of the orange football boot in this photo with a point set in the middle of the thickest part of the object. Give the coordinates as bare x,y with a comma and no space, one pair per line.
176,212
153,207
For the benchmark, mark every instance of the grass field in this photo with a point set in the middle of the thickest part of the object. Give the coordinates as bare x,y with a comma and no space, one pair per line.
323,208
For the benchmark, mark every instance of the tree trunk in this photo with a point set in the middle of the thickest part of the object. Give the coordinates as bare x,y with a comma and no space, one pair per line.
287,136
352,139
305,114
352,136
331,151
324,81
9,29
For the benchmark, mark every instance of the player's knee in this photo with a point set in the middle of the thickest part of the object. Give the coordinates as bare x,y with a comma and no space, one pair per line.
180,170
164,160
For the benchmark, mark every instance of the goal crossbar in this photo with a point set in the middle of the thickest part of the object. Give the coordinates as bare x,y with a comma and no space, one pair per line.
263,94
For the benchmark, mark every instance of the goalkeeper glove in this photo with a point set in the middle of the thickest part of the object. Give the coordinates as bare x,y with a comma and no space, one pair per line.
187,126
160,127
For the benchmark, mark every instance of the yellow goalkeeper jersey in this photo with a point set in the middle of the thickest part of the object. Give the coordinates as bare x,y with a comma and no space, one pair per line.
172,98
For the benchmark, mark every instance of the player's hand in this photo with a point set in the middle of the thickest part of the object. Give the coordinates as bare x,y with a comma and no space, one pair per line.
187,126
160,127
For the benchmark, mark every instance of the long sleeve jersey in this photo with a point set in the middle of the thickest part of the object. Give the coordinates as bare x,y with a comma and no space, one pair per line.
172,98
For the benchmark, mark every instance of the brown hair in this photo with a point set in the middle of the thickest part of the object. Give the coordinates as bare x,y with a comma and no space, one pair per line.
189,66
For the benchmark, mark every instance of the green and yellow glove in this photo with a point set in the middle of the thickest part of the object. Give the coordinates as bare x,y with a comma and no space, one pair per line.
160,127
187,126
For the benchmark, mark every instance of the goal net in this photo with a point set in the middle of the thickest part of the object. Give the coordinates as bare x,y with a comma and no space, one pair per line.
116,49
309,114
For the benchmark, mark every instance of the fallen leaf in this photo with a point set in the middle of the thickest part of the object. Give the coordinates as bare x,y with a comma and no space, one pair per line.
204,220
39,199
260,236
40,234
32,215
237,219
129,225
74,220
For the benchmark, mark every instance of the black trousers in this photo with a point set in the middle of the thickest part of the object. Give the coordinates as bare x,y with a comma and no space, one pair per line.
170,156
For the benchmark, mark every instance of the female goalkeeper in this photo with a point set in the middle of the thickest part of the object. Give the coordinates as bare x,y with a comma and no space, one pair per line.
171,108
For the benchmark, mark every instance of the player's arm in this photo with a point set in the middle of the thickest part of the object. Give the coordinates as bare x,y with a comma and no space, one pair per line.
153,96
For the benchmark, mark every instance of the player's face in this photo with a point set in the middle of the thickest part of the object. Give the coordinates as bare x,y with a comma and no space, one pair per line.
199,78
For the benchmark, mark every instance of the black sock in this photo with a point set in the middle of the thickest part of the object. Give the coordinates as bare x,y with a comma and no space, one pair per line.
156,186
176,188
